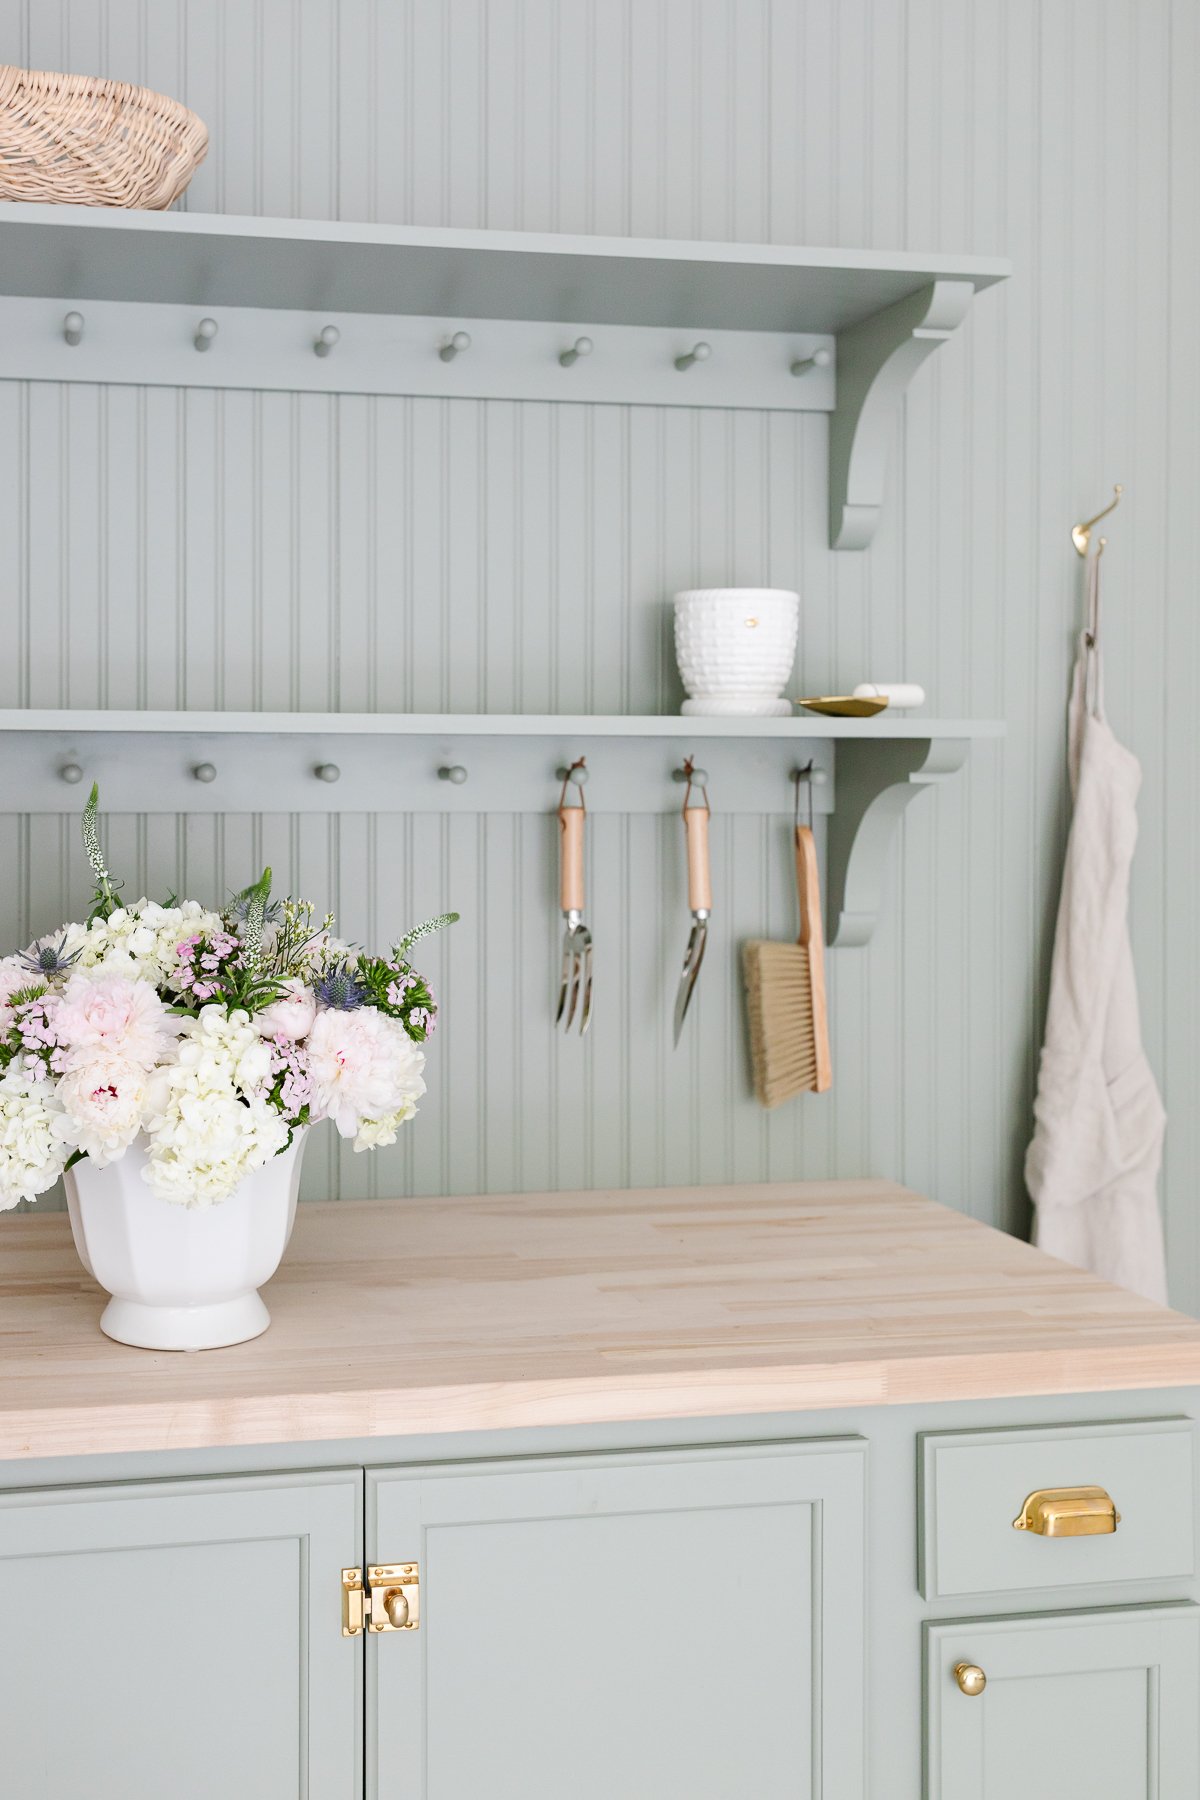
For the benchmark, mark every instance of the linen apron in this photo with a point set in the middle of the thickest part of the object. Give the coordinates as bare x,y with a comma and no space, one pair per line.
1092,1167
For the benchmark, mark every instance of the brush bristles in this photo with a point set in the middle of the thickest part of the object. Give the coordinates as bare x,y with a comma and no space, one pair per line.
783,1040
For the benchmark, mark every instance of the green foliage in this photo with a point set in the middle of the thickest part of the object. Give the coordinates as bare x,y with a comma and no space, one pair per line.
295,937
396,989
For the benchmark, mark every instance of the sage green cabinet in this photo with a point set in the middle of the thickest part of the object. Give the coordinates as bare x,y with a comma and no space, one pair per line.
675,1626
613,1614
1077,1706
180,1639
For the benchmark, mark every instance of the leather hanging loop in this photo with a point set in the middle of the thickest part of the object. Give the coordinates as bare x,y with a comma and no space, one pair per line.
689,774
573,778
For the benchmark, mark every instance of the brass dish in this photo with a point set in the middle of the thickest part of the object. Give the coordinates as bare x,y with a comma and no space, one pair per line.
845,706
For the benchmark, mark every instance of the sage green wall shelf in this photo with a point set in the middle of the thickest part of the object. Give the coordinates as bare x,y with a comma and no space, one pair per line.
868,771
188,299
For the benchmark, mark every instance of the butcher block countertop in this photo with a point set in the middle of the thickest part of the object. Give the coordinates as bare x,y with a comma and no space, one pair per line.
396,1318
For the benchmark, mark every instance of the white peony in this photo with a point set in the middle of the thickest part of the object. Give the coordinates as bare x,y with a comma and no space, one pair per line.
364,1067
108,1015
291,1016
102,1101
205,1120
32,1155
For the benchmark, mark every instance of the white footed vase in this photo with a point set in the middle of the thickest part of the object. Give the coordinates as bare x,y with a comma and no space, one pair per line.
735,648
182,1277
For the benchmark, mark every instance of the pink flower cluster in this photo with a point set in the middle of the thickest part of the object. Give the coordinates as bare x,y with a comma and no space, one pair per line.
197,974
34,1024
398,988
296,1090
423,1017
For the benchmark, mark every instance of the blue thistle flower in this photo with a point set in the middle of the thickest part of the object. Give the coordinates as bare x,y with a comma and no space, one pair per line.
340,988
46,958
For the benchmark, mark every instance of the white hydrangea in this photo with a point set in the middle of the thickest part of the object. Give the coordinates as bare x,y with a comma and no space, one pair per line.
32,1155
373,1134
140,939
206,1120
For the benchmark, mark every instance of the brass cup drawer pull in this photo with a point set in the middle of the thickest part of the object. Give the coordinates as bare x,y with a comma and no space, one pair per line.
1068,1512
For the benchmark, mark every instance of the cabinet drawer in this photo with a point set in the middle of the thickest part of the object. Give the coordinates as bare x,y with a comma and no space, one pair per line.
974,1484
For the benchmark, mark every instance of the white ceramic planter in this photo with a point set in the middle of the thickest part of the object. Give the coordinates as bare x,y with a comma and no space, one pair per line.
182,1277
735,648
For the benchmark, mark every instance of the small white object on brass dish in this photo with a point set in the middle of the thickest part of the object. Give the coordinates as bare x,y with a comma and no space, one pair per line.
900,695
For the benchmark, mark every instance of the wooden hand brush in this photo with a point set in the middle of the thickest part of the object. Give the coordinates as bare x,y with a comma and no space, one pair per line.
785,991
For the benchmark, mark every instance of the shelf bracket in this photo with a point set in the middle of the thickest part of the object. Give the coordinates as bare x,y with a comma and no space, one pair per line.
876,780
875,363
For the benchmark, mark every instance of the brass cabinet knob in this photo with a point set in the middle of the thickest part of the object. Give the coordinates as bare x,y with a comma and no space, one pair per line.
970,1678
395,1605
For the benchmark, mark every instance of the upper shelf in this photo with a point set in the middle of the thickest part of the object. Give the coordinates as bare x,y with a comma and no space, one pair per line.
91,253
779,327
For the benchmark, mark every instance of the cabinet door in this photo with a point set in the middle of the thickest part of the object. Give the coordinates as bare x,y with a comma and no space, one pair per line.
675,1626
180,1639
1078,1706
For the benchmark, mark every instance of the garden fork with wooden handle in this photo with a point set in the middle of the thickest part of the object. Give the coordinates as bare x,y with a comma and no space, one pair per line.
576,980
695,825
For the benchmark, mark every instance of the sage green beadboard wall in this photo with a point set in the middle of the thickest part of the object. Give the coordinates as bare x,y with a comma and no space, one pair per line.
198,549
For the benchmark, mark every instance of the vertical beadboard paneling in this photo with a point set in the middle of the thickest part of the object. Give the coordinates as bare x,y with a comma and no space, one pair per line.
223,550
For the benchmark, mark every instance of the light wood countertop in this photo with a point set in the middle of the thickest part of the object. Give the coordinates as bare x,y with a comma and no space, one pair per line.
395,1318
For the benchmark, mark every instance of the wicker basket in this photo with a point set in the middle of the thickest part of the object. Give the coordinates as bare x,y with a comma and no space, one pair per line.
79,141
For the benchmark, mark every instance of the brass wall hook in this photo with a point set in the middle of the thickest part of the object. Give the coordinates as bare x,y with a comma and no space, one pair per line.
1081,533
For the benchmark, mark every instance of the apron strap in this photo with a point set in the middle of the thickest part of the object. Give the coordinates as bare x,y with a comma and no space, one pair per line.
1093,668
1087,682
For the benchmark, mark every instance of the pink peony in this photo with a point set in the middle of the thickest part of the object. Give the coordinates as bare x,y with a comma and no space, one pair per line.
291,1016
113,1016
102,1100
362,1065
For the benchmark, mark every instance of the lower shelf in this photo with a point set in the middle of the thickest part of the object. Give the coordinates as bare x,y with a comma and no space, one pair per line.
868,771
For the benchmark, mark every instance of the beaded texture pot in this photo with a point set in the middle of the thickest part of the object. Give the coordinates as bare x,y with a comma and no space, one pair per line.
735,648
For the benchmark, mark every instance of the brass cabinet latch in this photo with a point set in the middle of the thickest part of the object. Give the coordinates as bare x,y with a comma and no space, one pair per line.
388,1600
1068,1512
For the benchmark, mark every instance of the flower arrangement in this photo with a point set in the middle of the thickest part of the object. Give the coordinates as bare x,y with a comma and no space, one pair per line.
213,1035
